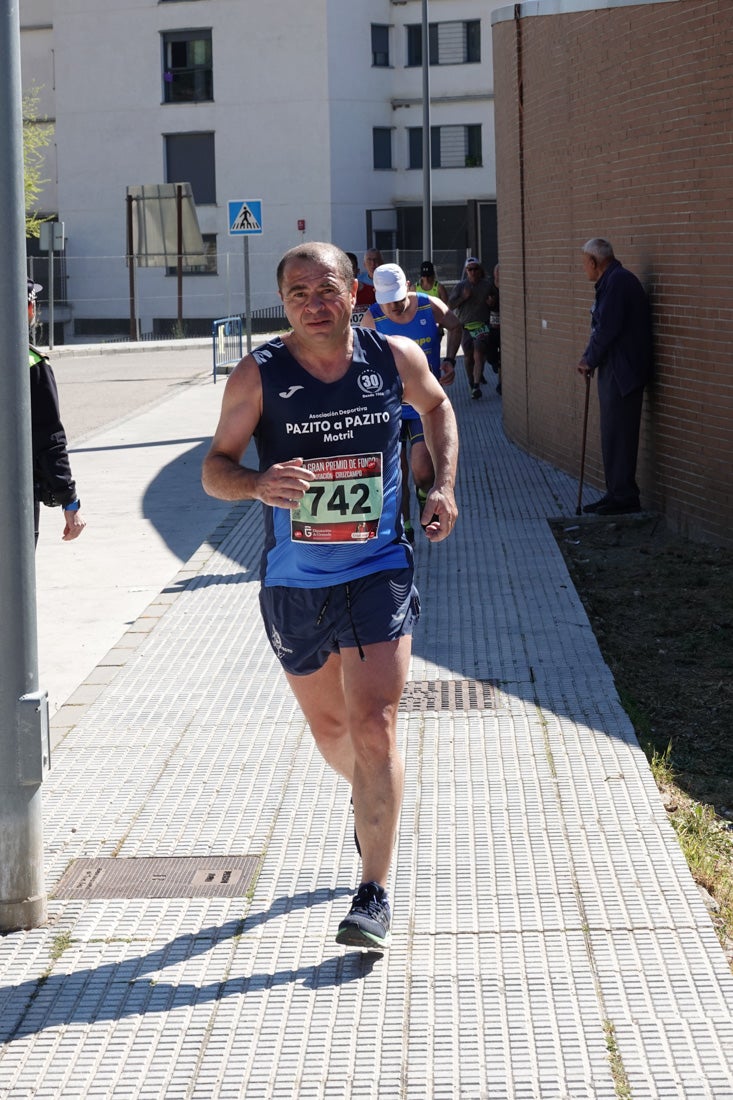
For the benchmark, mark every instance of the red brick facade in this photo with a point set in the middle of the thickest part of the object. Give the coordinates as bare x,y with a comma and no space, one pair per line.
619,123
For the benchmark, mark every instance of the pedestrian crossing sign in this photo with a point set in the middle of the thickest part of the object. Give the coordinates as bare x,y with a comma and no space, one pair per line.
245,217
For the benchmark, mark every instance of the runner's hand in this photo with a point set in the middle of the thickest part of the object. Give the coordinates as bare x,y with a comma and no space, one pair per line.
447,373
439,515
283,485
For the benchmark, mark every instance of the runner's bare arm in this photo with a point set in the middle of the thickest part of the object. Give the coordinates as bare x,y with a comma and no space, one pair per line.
222,476
367,320
423,391
447,319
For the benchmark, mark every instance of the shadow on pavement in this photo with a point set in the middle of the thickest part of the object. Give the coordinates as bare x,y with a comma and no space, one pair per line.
113,991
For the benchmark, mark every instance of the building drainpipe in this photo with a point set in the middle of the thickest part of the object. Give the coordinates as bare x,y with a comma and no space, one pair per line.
522,210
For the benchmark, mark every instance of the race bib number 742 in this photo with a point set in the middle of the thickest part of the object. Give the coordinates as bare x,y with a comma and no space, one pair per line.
343,503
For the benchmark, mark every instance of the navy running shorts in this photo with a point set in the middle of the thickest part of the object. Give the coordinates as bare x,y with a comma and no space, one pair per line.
306,625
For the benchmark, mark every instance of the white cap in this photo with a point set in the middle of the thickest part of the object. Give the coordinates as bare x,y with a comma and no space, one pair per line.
390,284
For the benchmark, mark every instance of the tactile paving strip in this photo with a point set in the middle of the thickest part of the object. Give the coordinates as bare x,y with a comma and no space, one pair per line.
542,909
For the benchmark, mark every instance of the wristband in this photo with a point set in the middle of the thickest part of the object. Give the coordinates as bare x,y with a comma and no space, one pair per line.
448,359
73,507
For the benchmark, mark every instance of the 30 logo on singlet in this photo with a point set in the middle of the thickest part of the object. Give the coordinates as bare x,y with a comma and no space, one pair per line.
370,382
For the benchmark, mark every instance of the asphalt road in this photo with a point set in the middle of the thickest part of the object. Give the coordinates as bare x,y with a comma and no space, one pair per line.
103,385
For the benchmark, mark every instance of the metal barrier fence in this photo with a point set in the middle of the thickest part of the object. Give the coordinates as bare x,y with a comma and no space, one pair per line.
226,335
92,295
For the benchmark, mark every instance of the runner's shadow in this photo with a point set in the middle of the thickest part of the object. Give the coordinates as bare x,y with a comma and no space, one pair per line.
183,514
132,986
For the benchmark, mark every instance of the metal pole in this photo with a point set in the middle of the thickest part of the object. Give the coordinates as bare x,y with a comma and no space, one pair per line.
427,201
179,249
247,310
131,268
50,289
22,895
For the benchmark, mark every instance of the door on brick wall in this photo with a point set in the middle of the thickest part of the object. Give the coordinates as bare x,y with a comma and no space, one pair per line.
450,235
485,234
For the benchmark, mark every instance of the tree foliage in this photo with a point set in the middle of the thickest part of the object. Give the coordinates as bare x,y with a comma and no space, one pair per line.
37,134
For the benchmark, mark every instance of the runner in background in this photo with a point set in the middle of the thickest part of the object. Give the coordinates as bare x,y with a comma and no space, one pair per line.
400,311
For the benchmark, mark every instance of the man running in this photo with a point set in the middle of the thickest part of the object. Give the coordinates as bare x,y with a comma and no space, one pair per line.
422,318
324,403
470,300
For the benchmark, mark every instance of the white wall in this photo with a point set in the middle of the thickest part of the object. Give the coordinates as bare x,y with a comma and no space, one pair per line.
295,101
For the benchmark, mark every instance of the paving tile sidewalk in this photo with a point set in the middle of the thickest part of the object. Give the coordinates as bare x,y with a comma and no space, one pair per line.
548,940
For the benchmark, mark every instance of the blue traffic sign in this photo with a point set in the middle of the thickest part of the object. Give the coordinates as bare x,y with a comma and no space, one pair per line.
245,217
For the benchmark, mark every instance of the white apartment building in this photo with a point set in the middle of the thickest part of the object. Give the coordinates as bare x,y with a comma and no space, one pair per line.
312,109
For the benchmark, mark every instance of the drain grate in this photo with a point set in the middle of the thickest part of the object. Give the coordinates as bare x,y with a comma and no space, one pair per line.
459,695
165,877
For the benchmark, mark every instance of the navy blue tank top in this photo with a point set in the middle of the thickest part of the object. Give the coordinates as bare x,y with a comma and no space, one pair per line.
348,432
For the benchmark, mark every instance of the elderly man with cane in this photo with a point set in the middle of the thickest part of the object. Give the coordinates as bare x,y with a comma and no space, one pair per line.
620,349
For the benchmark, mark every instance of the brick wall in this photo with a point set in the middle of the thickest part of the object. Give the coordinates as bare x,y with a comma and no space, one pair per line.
622,128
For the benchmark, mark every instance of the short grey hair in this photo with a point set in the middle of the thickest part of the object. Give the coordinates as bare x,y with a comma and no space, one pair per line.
320,252
599,248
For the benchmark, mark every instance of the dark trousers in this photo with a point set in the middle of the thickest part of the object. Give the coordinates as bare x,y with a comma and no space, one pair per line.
620,425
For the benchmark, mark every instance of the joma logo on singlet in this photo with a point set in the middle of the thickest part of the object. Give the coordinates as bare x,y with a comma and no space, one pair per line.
289,392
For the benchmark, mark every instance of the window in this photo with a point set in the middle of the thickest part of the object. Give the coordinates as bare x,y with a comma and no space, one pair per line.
414,135
189,158
187,66
207,265
450,147
457,42
380,45
382,147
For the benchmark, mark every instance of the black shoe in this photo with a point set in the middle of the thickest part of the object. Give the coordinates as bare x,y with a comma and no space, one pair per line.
367,922
596,504
475,392
618,508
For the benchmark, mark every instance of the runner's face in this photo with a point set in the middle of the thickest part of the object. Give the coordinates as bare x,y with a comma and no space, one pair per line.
372,260
318,304
395,310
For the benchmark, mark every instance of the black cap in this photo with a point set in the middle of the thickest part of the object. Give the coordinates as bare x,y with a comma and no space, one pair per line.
427,268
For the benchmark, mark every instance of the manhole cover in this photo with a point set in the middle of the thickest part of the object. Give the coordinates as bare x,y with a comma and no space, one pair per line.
165,877
457,695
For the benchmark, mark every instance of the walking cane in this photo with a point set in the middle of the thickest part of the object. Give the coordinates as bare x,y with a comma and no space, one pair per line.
579,510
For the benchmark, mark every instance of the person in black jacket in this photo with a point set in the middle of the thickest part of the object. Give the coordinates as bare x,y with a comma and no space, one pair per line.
53,484
620,349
